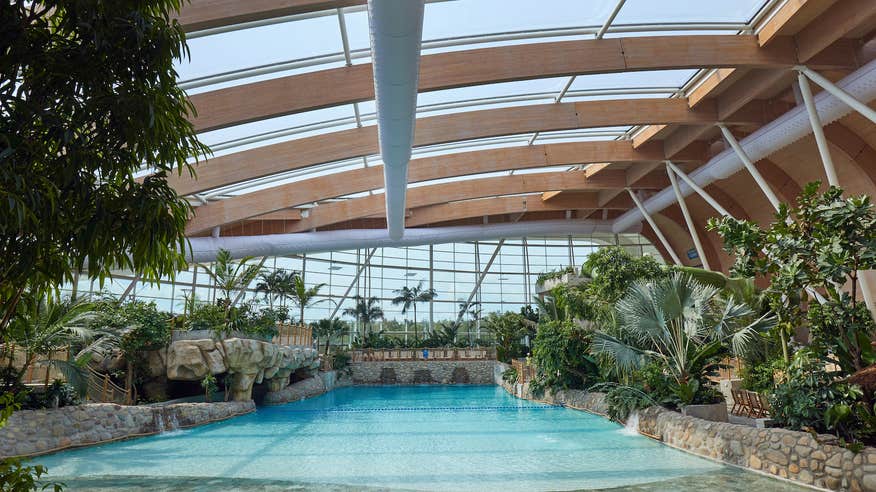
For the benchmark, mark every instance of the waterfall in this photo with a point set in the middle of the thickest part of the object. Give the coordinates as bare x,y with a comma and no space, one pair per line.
165,421
631,428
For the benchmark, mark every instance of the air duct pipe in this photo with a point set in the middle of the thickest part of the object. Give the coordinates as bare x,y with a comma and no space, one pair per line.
204,249
777,134
396,36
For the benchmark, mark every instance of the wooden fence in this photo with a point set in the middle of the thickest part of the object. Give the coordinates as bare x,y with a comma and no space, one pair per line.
38,372
525,370
452,354
295,335
101,389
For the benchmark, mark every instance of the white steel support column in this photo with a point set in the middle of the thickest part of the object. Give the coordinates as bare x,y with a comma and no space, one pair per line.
354,282
130,288
701,192
687,218
654,227
865,278
758,178
817,130
866,111
477,286
243,290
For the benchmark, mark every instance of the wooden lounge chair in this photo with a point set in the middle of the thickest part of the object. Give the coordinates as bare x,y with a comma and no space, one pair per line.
738,403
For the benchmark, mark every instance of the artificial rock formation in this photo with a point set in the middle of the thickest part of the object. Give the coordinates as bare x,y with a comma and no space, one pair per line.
247,361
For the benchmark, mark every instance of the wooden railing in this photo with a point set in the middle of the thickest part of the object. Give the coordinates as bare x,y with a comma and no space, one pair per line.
298,335
439,354
525,371
102,390
38,372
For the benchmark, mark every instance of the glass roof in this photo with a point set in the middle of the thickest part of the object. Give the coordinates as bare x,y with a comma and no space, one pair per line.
314,42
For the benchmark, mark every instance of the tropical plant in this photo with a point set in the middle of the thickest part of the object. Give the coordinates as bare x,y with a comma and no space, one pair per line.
90,98
230,277
560,354
365,311
819,245
623,400
409,297
613,270
210,387
45,326
510,375
806,391
275,285
140,328
328,329
304,296
509,330
683,325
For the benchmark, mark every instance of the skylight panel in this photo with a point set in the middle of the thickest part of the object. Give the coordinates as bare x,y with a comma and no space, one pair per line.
260,46
685,11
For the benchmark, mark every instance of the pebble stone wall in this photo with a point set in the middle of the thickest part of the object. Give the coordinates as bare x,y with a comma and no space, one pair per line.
32,432
423,372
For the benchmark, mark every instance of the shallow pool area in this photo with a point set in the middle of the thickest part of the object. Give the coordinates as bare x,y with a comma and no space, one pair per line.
401,438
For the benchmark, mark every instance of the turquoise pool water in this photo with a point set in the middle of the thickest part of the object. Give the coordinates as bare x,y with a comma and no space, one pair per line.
415,438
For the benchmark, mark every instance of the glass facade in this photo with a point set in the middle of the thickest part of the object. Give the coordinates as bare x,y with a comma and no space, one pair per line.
451,269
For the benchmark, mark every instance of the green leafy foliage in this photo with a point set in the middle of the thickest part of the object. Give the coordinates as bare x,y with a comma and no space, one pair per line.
510,375
806,392
328,329
821,244
89,98
410,297
509,330
365,311
685,327
560,354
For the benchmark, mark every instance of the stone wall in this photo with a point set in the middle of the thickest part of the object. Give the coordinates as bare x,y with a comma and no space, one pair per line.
308,388
423,372
32,432
798,456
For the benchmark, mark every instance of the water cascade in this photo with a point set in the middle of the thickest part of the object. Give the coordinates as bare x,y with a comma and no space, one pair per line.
631,427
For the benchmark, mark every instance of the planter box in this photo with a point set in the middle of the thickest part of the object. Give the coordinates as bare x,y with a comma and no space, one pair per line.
716,412
566,279
210,335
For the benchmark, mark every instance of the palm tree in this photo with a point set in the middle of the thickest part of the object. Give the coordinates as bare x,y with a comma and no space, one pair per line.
275,285
366,311
44,326
328,329
409,297
682,324
230,277
302,296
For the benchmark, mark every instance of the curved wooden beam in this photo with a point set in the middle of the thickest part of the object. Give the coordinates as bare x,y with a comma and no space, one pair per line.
336,212
358,142
445,212
345,85
249,205
197,15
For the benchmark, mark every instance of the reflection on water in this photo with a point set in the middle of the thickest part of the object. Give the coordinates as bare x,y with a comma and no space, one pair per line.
400,438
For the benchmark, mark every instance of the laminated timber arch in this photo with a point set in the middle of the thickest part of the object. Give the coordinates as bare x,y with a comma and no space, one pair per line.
337,212
289,195
469,125
198,15
304,92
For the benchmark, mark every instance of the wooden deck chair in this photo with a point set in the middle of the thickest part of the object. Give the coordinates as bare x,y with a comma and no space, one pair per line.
738,405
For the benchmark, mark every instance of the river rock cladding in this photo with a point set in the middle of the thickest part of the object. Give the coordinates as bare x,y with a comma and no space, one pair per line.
798,456
423,372
40,431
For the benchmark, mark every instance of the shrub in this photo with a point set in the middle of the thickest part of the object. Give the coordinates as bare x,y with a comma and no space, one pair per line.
560,354
510,375
806,392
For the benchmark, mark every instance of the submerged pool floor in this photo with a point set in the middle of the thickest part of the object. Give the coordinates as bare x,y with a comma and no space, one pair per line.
408,438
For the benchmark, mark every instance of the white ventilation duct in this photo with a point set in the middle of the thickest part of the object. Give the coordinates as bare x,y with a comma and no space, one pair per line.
204,249
779,133
396,36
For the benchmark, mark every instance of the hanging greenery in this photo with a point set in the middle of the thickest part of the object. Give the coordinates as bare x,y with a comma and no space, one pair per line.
88,98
